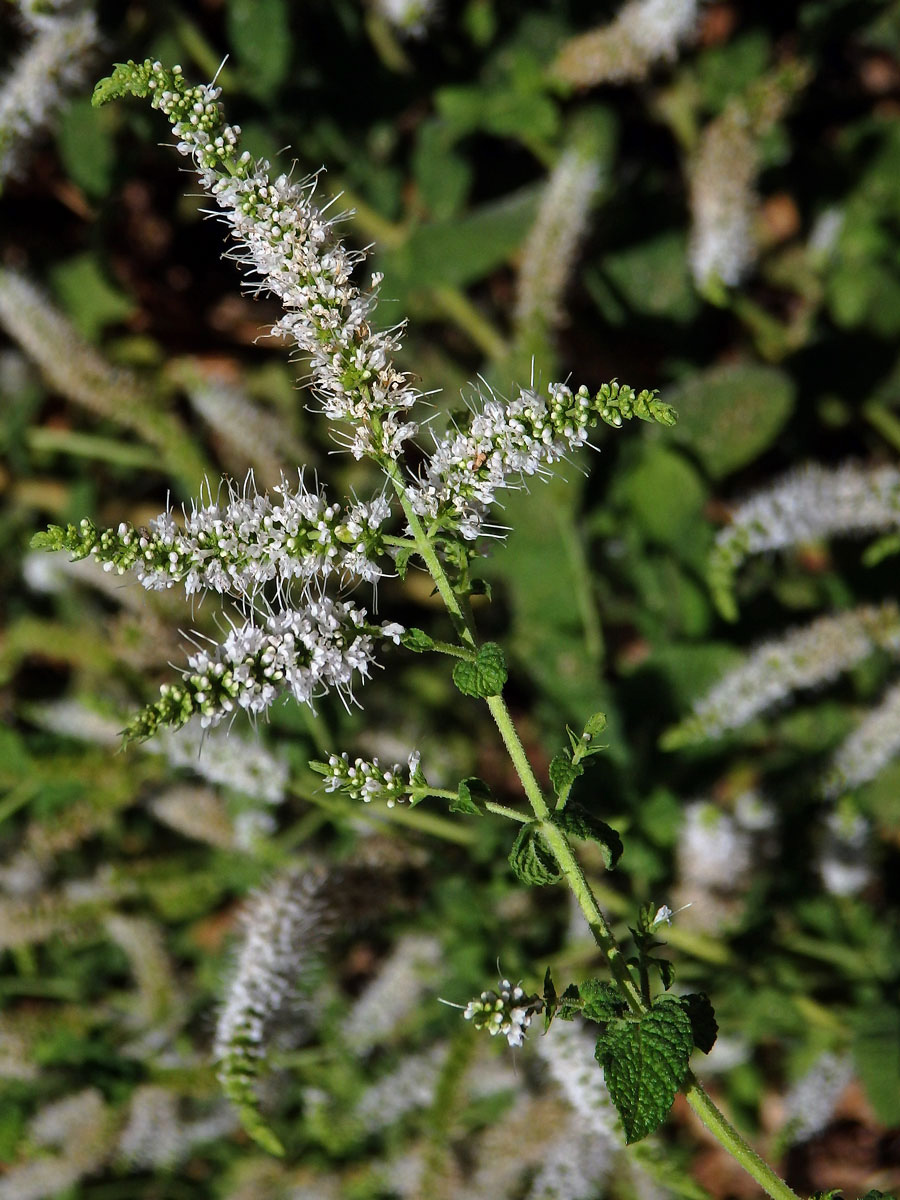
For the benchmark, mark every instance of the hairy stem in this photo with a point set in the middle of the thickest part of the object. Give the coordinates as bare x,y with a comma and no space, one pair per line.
725,1133
714,1120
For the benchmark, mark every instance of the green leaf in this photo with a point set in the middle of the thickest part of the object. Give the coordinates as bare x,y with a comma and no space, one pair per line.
531,858
484,675
576,820
833,1194
457,253
471,793
729,415
644,1063
417,640
86,147
86,294
401,560
876,1053
666,495
602,1001
564,772
702,1017
260,1132
569,1003
260,32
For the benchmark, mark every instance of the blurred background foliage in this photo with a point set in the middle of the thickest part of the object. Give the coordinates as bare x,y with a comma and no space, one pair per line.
122,875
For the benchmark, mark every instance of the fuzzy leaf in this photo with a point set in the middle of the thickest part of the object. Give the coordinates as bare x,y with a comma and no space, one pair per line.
531,858
484,675
564,772
644,1062
417,640
401,560
702,1017
576,820
471,793
602,1001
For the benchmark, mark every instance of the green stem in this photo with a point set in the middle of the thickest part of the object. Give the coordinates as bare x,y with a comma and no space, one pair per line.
726,1134
565,856
709,1114
503,811
456,305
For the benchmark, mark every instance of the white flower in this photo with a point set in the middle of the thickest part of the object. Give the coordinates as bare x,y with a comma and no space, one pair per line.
503,442
810,1103
369,780
871,746
409,17
240,545
806,657
552,244
644,32
508,1011
285,928
226,759
304,652
806,506
50,66
289,248
844,859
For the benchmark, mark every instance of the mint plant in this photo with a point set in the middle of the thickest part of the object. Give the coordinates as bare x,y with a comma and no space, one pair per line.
282,563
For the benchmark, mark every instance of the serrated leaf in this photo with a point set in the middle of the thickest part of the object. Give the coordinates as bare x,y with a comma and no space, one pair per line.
569,1003
644,1063
602,1001
666,971
401,560
417,640
702,1016
484,675
576,820
531,858
564,772
471,793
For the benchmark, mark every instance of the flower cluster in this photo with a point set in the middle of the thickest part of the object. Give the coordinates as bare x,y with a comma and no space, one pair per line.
285,928
505,441
304,652
236,547
871,746
51,65
813,654
555,237
291,249
410,18
509,1011
367,781
805,506
644,32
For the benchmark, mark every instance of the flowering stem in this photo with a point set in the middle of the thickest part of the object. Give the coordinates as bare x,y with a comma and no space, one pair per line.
714,1120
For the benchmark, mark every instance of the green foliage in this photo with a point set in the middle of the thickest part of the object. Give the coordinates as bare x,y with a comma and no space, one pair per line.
484,675
729,415
531,858
471,796
580,822
644,1061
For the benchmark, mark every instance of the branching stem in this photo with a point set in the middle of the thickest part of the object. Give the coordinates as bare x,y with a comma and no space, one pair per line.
714,1120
